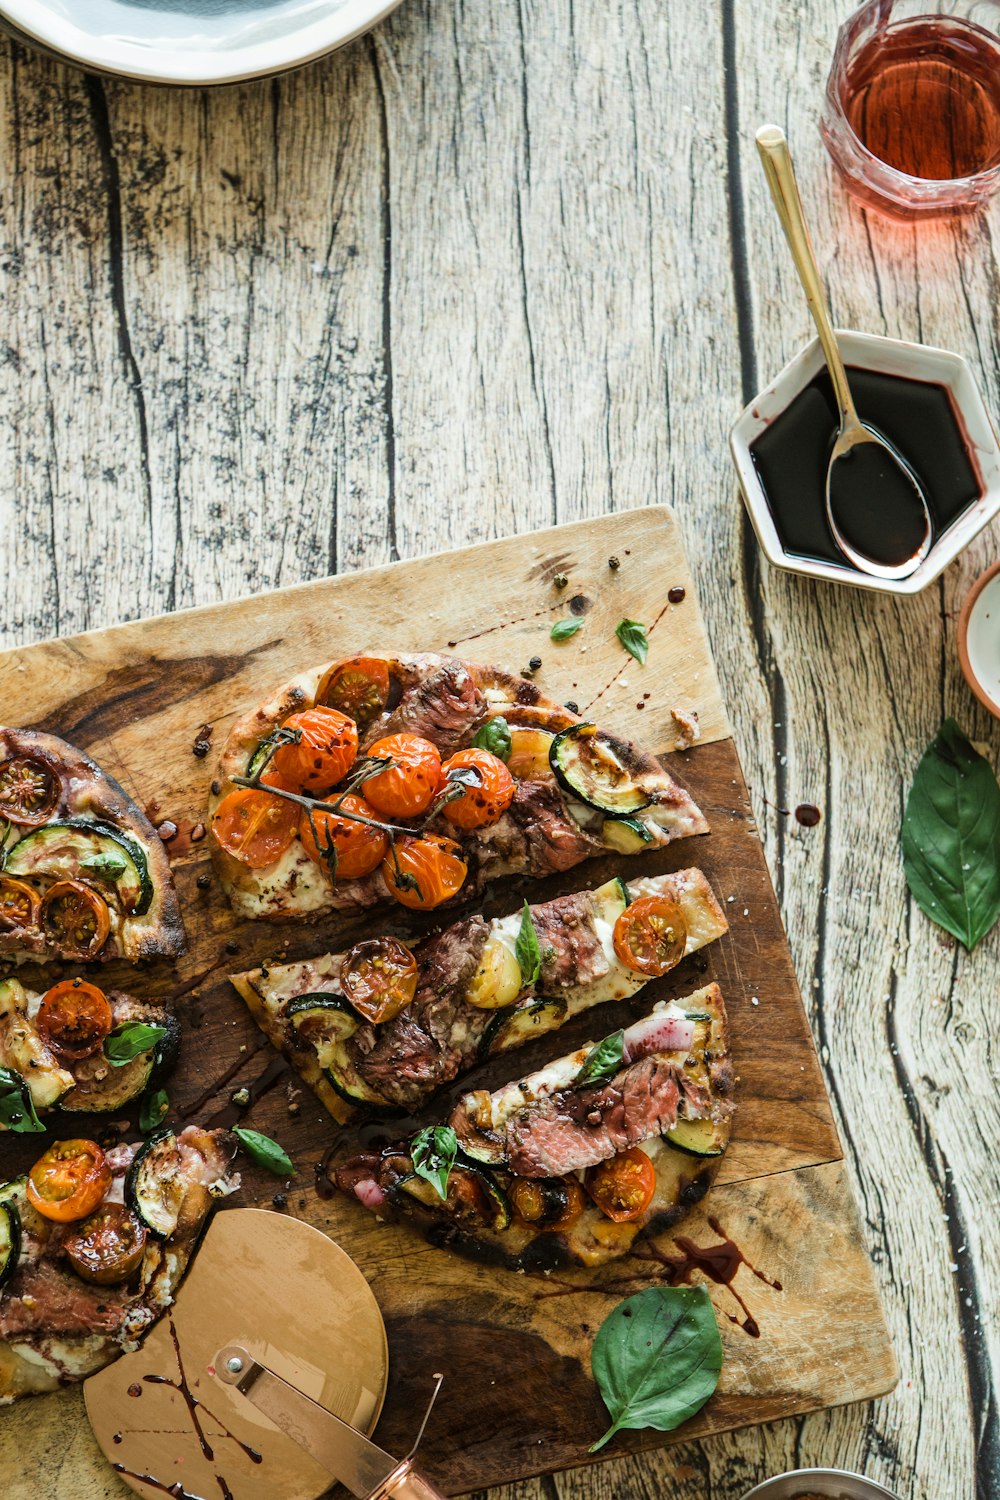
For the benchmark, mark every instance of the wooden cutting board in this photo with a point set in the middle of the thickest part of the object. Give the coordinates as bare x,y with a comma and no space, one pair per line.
519,1399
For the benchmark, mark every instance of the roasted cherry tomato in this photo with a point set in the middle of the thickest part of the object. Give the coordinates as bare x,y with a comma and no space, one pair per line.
650,935
358,688
255,827
74,1018
76,918
342,845
488,794
547,1203
29,791
379,977
108,1247
326,751
433,863
19,905
407,787
69,1181
623,1187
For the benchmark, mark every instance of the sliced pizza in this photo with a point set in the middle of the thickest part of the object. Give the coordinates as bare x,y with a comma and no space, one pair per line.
572,1163
85,877
92,1247
382,1026
75,1048
417,779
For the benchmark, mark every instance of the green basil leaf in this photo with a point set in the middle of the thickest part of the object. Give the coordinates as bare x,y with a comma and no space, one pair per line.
602,1061
526,949
130,1040
657,1358
563,629
264,1151
17,1111
432,1152
633,637
152,1109
109,865
951,837
494,736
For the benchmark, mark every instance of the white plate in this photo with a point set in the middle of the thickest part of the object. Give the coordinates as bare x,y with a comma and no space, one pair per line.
193,41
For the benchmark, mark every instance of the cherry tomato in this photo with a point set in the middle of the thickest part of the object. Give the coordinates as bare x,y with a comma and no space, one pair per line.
409,786
74,1018
69,1181
548,1204
358,687
433,862
29,791
623,1187
650,935
359,847
254,826
76,918
19,905
325,753
379,977
485,801
108,1247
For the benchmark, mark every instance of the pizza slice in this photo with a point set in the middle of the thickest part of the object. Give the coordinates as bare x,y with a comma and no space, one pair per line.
418,779
85,877
571,1164
382,1026
92,1247
76,1049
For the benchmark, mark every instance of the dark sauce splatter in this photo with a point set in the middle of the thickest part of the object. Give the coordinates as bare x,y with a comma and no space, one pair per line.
719,1263
808,814
676,594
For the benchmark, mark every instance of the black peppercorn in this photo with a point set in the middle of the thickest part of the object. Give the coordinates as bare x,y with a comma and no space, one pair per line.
574,708
614,564
535,663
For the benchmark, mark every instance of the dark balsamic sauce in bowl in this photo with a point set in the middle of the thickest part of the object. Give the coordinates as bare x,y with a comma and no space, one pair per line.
917,417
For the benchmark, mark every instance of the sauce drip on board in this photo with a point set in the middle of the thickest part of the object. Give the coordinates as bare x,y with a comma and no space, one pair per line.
807,814
719,1263
916,416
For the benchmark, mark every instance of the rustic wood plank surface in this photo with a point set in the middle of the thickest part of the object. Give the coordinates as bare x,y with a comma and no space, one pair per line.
488,268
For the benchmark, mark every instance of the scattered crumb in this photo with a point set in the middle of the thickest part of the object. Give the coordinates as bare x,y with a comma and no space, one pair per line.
688,728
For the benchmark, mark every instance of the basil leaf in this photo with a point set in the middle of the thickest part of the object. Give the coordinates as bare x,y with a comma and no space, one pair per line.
130,1040
432,1152
633,637
951,837
563,629
152,1109
657,1358
109,865
526,949
494,736
264,1151
602,1061
17,1111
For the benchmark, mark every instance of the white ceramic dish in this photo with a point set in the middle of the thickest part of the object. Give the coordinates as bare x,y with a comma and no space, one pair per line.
832,1484
979,639
193,41
892,357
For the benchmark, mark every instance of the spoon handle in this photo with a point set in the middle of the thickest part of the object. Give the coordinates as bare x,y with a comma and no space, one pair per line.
780,174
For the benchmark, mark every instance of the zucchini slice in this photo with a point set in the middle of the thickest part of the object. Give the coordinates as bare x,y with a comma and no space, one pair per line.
154,1190
698,1137
10,1240
104,1090
626,835
519,1024
322,1018
473,1193
345,1080
592,766
77,849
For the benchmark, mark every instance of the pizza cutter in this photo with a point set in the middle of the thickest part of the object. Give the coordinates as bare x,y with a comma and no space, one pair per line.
262,1382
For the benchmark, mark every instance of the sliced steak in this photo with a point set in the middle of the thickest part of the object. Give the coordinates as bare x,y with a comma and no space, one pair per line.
443,706
44,1298
571,949
554,839
437,1034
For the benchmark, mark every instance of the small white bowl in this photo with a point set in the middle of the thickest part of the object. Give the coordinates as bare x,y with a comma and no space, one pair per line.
891,357
979,639
192,41
837,1484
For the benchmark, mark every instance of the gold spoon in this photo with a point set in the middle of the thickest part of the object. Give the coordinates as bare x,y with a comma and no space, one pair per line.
861,456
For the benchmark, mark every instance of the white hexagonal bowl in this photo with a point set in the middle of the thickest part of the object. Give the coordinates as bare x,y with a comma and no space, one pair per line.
891,357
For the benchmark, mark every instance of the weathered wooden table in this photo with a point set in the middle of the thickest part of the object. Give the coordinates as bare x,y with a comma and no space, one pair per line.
495,266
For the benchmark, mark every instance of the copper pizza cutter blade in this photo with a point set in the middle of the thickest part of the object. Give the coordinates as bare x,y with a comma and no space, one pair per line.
261,1382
